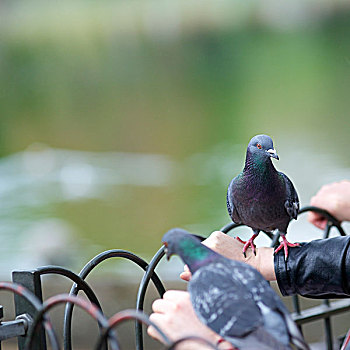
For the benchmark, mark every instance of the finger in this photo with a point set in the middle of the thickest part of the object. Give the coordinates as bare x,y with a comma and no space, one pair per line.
321,223
161,305
175,295
312,217
151,331
317,220
158,320
186,276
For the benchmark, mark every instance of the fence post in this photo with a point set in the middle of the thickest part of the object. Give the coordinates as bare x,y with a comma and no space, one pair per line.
1,316
31,281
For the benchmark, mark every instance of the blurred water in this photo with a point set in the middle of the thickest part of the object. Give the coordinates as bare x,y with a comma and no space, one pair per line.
35,183
34,180
132,117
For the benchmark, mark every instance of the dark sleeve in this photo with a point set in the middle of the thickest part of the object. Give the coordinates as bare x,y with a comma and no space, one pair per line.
318,269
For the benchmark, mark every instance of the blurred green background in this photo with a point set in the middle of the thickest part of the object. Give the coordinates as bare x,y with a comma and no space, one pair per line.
122,119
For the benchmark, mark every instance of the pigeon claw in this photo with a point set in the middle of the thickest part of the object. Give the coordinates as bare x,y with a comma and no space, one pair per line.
247,244
240,240
285,244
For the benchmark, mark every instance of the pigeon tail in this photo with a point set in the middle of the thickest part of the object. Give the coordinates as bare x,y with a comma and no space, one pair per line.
259,338
295,334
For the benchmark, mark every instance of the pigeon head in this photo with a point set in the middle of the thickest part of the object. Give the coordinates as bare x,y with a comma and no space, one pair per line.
261,146
188,247
177,240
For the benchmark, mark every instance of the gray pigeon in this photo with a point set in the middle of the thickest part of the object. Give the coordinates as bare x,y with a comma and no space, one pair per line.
262,197
232,298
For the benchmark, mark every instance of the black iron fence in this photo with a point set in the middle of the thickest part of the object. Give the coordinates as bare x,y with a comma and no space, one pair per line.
32,323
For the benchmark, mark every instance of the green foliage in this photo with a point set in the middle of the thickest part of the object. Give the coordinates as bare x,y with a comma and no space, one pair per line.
104,77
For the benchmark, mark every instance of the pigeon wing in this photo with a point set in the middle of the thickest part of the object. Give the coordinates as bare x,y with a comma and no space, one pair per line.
232,211
276,317
235,301
223,302
292,201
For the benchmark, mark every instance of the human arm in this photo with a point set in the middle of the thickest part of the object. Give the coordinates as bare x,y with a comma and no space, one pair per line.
335,198
308,271
317,269
232,249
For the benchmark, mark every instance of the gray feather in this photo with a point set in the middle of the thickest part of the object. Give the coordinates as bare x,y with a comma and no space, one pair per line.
235,301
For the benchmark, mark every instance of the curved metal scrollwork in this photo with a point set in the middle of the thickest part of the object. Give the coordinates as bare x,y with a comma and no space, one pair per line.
93,307
35,302
90,308
98,259
130,315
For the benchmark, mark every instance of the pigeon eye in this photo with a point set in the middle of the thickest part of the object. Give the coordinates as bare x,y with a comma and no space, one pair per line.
259,146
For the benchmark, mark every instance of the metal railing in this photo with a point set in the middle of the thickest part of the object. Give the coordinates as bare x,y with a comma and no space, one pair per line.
32,320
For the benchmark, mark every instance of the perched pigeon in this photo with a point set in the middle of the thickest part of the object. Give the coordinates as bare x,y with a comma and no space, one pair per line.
262,197
232,298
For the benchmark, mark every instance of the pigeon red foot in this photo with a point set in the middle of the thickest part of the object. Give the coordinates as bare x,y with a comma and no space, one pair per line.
285,244
247,244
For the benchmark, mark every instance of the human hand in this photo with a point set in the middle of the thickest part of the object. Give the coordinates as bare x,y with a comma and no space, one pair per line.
174,314
231,248
223,244
335,198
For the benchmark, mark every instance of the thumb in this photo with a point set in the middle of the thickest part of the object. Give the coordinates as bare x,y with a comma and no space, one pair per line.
186,275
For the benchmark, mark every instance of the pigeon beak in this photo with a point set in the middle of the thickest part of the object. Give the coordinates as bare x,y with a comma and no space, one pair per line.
273,153
166,251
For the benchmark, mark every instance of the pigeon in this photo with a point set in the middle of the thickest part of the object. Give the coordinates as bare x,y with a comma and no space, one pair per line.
262,197
232,298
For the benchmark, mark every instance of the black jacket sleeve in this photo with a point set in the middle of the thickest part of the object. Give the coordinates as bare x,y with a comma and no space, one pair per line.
318,269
